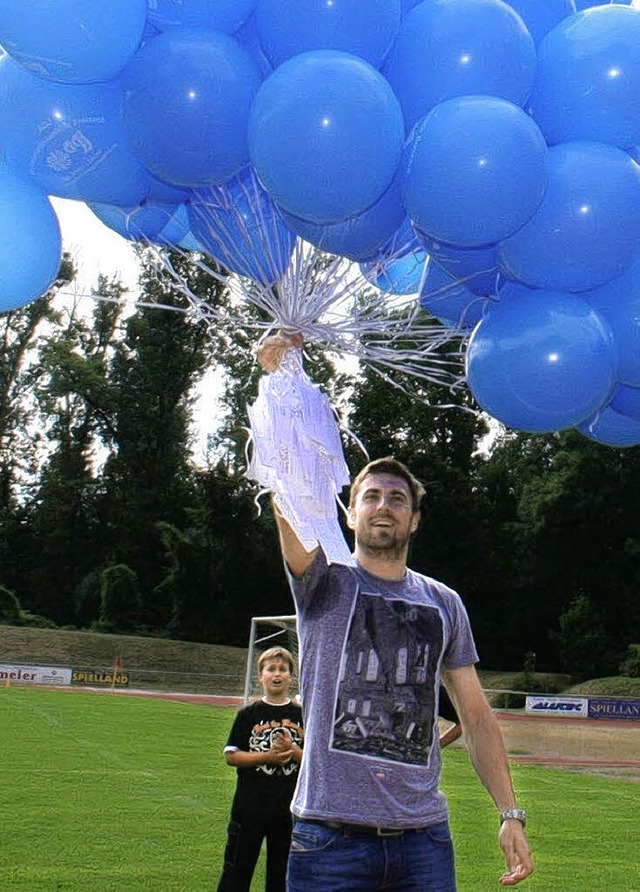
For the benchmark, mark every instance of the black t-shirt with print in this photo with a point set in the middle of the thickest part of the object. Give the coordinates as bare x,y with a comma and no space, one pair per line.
266,789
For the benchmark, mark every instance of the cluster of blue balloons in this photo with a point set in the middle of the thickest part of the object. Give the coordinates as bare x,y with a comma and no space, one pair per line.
480,152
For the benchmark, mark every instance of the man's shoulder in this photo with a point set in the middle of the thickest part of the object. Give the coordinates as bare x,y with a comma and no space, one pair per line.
435,587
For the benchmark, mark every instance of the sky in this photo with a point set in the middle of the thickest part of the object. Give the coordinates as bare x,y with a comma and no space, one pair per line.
93,246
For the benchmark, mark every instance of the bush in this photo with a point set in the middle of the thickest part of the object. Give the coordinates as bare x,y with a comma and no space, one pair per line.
528,683
630,665
9,607
35,621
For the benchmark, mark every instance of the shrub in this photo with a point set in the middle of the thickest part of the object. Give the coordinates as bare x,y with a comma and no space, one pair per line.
9,607
630,665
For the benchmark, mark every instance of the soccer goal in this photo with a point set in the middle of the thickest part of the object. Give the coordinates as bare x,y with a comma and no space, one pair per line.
266,632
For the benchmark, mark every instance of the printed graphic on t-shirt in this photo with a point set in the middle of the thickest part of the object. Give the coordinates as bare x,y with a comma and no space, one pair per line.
385,705
261,740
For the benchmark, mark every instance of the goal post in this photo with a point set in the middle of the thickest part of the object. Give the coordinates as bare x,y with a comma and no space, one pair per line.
268,631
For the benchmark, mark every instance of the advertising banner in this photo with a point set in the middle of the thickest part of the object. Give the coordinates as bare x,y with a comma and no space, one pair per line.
11,673
557,706
609,708
100,677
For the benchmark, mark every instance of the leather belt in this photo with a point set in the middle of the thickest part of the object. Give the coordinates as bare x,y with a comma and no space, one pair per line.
361,828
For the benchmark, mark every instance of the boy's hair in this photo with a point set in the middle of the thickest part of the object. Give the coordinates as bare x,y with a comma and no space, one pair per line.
389,465
274,653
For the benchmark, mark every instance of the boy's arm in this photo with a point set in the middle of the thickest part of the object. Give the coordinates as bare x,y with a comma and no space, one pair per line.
243,759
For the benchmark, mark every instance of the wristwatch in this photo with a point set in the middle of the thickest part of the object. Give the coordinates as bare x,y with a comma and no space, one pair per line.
519,814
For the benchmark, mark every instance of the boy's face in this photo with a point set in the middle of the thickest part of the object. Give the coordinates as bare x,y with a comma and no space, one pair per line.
275,678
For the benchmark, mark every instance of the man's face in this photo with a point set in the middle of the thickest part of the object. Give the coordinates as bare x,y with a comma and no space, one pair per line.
382,515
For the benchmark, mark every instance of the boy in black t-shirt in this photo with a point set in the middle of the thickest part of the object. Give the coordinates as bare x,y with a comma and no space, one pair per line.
265,745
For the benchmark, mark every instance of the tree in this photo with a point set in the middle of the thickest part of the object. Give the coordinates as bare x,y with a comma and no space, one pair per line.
583,641
22,334
120,601
73,395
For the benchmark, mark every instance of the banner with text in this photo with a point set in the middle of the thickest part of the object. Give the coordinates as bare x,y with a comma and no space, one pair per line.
100,677
557,706
11,673
608,708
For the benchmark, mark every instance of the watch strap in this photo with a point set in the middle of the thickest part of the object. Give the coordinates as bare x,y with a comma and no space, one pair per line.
517,814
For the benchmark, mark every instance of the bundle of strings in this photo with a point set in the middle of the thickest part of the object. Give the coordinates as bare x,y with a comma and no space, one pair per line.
296,454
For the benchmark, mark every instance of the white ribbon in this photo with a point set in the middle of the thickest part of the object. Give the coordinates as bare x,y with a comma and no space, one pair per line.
297,455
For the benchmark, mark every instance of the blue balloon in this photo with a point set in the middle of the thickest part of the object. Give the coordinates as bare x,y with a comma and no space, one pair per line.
399,266
587,229
72,41
475,170
449,48
407,6
541,361
176,233
137,224
187,96
588,77
326,135
474,268
247,37
166,193
618,301
357,238
540,16
30,238
69,137
587,4
226,16
626,401
450,301
366,28
610,428
241,228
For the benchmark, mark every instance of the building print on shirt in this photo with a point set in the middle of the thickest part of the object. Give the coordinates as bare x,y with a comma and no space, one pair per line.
385,705
261,739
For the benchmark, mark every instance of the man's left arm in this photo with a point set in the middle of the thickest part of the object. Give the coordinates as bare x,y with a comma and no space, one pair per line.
489,758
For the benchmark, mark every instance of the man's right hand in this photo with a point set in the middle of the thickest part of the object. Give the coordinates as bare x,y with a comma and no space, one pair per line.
274,347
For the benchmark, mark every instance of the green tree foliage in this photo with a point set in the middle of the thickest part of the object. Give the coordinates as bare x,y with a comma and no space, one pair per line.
630,665
9,606
564,507
23,332
583,640
120,601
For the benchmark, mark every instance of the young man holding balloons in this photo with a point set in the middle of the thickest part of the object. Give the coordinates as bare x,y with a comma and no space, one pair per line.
376,640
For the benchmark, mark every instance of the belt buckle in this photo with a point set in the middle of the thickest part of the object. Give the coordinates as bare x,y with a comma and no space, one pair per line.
386,831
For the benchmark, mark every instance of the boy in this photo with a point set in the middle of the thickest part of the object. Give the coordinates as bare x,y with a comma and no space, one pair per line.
265,745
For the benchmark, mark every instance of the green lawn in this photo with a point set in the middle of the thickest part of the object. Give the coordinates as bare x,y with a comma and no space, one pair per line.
102,792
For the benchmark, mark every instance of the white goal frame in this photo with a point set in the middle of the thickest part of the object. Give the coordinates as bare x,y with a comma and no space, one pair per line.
286,632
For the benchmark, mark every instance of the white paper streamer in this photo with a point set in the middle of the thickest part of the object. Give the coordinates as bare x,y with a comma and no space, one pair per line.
297,455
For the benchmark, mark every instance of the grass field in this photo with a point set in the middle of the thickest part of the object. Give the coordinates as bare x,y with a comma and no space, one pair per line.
112,794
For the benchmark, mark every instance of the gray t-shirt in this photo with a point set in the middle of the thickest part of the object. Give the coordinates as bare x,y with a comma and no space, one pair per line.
371,657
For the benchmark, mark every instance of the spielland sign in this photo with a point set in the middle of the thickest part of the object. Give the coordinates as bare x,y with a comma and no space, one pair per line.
100,677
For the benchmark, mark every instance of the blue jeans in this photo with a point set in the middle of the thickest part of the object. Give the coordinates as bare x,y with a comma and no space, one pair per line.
326,859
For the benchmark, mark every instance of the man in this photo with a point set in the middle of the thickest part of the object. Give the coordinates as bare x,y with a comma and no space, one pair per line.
377,638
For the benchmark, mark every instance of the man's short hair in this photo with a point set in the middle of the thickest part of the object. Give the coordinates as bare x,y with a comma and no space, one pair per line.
389,465
276,653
